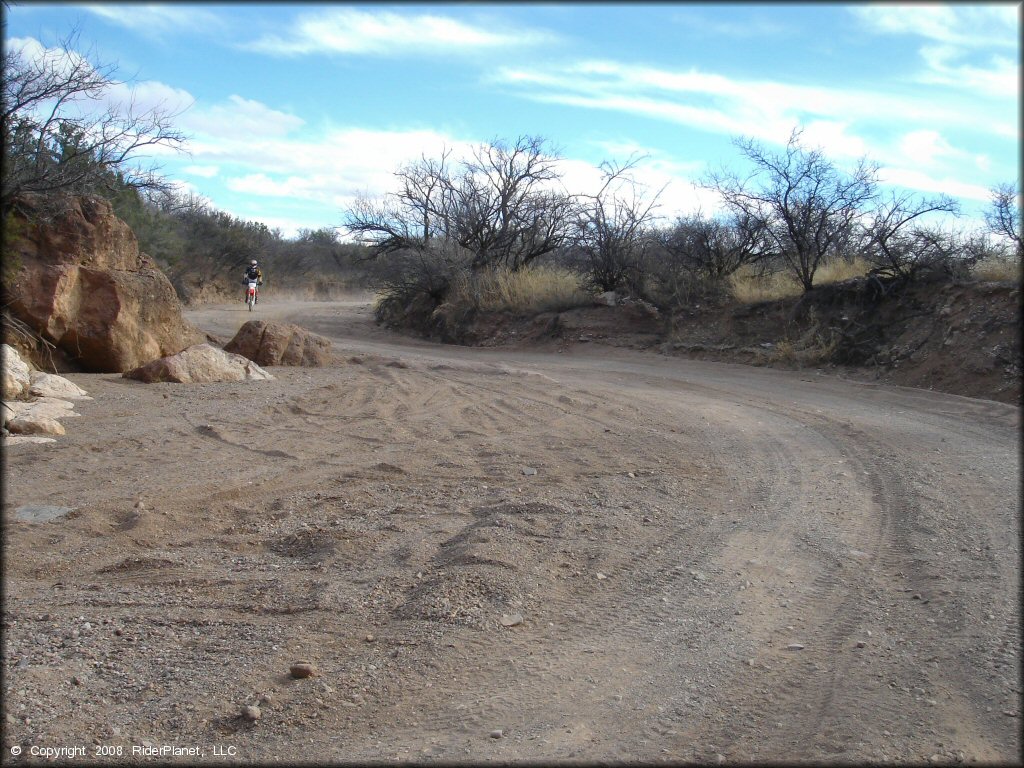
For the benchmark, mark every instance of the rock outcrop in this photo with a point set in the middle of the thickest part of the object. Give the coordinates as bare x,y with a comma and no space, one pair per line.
81,284
280,344
16,374
35,410
34,424
42,407
197,364
49,385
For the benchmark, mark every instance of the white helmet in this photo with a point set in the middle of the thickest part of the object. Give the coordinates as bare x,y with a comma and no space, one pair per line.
254,262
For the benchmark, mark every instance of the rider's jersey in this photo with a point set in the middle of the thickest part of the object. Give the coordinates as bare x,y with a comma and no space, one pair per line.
254,273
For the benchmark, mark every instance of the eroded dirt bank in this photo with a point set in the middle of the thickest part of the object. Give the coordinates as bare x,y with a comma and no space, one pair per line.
960,338
707,559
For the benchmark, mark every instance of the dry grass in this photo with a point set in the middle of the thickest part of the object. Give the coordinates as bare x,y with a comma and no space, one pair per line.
814,346
818,350
528,291
999,270
749,287
840,269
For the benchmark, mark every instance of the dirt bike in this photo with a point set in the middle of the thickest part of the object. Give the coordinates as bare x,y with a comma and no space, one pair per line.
250,295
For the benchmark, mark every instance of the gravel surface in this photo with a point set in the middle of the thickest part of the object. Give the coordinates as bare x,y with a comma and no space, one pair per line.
440,553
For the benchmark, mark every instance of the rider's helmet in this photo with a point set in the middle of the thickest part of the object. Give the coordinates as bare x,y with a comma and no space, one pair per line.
253,262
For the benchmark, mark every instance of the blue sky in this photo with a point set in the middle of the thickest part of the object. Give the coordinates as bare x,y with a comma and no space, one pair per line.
293,110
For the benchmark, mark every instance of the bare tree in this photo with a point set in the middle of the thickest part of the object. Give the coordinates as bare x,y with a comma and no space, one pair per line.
426,194
800,200
899,242
507,210
611,227
1003,215
714,248
414,217
500,205
60,136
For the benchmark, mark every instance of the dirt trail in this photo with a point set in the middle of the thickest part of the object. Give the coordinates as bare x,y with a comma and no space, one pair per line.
711,562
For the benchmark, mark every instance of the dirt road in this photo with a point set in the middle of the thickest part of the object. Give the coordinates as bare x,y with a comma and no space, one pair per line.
496,555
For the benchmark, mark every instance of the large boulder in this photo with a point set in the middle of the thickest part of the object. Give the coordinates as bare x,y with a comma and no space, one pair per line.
82,285
41,402
197,364
50,385
43,407
280,344
34,424
16,374
27,421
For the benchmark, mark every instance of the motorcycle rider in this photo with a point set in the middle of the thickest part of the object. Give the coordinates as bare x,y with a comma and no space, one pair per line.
253,272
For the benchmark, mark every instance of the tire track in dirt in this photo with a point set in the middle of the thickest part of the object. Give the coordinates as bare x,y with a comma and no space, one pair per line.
875,529
561,672
802,698
884,549
731,512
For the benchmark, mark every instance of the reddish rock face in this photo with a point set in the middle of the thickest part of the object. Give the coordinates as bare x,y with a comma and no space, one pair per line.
84,286
89,234
280,344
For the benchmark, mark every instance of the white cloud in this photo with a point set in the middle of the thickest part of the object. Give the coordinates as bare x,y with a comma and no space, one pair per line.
241,117
294,187
919,180
349,31
834,138
56,60
976,26
328,171
205,171
761,109
187,188
154,20
960,43
150,96
705,118
654,175
1000,79
139,97
907,133
335,168
27,47
927,147
262,152
330,168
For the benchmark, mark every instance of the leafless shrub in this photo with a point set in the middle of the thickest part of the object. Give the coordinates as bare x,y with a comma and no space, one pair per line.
898,244
802,203
714,248
412,282
62,135
499,205
611,228
498,208
1003,216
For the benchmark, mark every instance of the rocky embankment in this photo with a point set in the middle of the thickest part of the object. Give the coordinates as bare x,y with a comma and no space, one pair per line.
79,283
960,338
34,402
